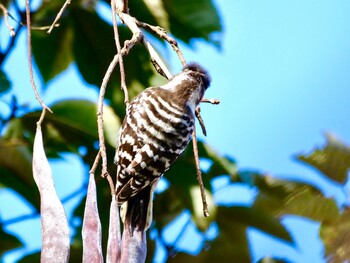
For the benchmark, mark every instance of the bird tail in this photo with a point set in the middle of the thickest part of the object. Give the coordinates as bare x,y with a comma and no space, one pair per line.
137,213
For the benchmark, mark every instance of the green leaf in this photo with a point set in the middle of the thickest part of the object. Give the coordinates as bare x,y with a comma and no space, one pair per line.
8,241
333,160
198,217
143,11
157,11
336,237
16,169
181,199
93,45
309,204
47,12
5,84
111,125
222,165
164,211
193,19
30,258
72,124
94,49
14,130
273,260
232,244
282,197
199,18
53,52
183,178
257,218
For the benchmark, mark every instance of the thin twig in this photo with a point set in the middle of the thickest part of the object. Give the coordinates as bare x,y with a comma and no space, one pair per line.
59,15
6,17
42,116
124,51
93,170
122,5
201,122
211,101
11,43
44,27
111,184
156,60
164,35
94,166
199,174
131,22
121,62
30,64
198,113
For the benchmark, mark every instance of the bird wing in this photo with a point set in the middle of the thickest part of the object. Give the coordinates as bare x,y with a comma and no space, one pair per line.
147,147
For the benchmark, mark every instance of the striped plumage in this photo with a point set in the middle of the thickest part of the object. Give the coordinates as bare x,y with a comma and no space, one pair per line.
156,130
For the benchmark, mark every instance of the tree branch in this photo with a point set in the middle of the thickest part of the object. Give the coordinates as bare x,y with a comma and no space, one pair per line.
6,17
124,51
12,41
199,173
201,122
164,35
211,101
117,44
131,23
58,16
30,65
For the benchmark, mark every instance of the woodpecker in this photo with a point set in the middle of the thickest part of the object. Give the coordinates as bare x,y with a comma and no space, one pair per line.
156,129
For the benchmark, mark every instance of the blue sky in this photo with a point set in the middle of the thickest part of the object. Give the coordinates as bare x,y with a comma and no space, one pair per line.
283,79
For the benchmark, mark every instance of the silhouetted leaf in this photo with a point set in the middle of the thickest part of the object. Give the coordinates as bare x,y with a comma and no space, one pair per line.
16,169
231,245
5,83
199,18
93,45
53,52
182,257
94,49
183,178
30,258
151,248
184,186
164,211
8,241
333,160
257,218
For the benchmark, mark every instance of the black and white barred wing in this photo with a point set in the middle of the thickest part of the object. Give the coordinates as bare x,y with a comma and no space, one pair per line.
153,135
